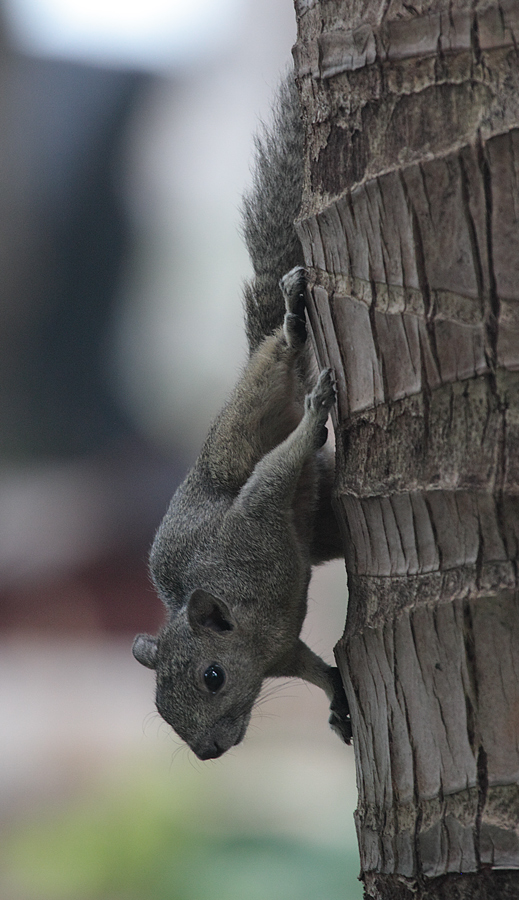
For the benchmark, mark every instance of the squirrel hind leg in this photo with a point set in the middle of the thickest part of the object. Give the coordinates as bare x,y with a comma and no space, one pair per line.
293,288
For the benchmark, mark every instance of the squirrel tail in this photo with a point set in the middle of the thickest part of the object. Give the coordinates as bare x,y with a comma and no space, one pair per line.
269,213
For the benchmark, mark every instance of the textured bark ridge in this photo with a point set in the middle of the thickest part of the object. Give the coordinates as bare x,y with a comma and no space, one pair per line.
410,228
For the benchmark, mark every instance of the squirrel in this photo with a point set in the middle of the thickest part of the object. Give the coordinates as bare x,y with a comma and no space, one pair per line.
232,557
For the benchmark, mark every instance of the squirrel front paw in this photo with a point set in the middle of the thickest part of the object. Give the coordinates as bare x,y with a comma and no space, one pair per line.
319,402
322,397
340,720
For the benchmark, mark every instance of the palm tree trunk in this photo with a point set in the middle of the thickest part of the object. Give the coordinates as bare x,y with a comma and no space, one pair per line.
410,227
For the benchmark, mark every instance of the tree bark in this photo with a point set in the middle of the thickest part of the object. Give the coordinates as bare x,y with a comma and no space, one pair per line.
410,228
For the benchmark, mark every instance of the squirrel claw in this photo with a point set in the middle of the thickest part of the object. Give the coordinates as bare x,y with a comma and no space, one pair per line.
340,720
342,727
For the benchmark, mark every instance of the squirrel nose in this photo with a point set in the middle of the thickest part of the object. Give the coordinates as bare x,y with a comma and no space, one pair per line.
211,752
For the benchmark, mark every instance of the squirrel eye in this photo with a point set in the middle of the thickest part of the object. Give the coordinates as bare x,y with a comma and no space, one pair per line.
214,678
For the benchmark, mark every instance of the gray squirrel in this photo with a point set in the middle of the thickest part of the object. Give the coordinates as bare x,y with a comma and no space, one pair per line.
232,557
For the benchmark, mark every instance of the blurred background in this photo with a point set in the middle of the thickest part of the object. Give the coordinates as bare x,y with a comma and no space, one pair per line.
125,146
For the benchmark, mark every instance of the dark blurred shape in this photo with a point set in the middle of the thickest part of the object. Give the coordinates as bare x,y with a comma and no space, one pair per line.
72,467
63,241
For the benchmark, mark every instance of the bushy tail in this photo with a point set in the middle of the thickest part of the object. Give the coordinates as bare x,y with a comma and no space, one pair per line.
269,212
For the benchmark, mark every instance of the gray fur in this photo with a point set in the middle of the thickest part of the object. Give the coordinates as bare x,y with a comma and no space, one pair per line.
269,213
232,557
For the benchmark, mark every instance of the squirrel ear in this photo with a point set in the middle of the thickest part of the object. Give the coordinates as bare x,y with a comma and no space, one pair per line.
206,611
145,650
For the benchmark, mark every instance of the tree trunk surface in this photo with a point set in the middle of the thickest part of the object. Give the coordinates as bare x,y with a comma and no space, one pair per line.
410,228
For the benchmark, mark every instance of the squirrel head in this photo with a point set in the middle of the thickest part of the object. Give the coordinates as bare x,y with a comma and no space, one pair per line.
207,679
